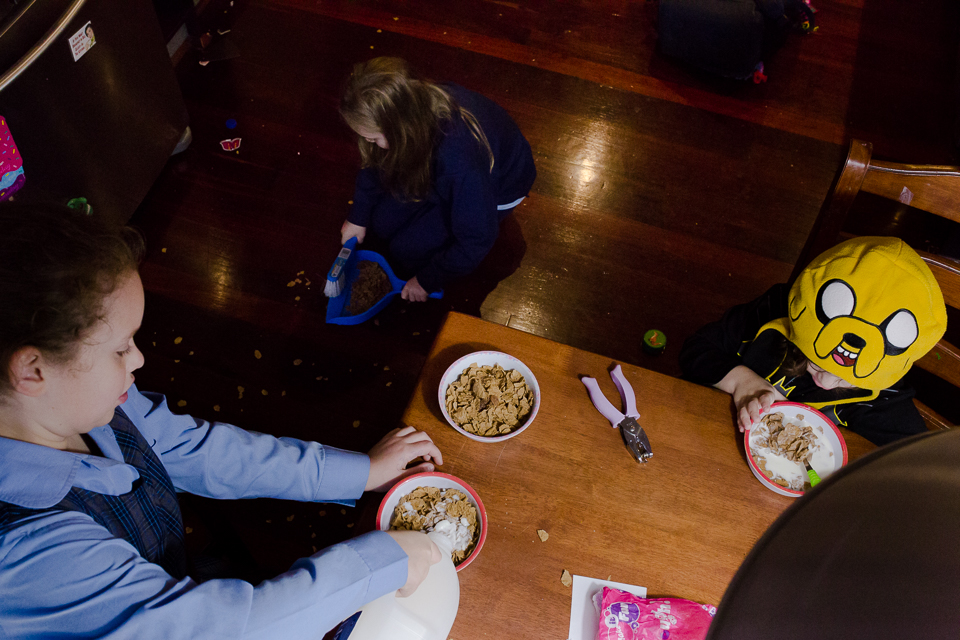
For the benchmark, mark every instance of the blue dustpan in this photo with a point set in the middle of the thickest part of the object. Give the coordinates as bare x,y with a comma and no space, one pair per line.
336,306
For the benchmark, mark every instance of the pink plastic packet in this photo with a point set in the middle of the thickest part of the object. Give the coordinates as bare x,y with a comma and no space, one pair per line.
624,616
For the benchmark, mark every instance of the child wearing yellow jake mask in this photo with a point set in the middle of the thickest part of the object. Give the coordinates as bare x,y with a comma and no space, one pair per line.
840,340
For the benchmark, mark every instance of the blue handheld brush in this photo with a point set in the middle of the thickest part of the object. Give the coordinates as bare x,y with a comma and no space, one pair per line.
337,277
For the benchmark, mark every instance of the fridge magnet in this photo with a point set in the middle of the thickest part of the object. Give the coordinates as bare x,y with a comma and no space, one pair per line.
11,163
82,41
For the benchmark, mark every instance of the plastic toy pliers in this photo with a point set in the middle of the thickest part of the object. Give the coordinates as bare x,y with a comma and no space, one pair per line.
633,434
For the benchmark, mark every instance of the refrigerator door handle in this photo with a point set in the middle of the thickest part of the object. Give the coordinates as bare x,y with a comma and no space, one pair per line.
20,11
11,74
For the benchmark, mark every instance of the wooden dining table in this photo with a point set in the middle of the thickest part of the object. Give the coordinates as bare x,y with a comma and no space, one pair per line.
679,525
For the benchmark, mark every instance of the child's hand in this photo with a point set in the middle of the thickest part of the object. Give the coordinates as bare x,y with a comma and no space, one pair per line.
390,456
413,292
421,554
752,395
349,230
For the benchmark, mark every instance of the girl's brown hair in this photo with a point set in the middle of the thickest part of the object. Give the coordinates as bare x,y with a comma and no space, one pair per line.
385,95
794,363
56,267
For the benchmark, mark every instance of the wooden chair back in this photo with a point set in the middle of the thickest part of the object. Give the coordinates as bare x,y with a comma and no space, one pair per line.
935,189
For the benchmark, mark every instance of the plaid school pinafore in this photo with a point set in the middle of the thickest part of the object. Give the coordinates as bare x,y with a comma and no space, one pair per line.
148,516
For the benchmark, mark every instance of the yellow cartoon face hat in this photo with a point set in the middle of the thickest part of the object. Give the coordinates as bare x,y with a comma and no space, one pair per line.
865,310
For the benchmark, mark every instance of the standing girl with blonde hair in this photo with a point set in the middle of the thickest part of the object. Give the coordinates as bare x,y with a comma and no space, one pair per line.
442,166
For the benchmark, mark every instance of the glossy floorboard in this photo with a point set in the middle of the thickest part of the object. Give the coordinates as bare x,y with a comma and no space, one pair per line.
664,196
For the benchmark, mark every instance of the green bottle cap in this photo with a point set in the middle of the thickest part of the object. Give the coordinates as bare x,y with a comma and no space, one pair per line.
654,341
80,204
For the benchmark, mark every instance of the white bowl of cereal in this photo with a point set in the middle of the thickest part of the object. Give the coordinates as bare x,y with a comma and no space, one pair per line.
469,399
420,501
788,432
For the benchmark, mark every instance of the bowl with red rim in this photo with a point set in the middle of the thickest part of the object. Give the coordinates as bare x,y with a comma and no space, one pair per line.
831,456
489,358
441,481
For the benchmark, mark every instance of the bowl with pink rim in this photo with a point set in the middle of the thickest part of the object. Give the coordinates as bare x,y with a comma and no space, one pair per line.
778,473
441,481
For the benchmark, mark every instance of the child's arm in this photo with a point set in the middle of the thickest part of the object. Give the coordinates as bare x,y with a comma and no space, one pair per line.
413,292
711,356
752,395
366,194
389,457
349,230
61,571
219,460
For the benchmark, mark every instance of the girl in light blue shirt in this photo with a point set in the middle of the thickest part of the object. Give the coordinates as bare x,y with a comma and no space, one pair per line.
91,537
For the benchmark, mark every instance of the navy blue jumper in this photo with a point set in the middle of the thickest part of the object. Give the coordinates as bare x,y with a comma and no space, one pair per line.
448,234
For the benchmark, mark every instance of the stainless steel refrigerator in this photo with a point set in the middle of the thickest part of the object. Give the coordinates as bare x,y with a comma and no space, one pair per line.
90,98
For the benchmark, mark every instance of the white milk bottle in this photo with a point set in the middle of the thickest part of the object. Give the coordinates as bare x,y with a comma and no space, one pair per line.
428,614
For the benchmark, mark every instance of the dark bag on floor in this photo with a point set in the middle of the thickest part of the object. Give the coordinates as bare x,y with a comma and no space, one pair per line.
729,38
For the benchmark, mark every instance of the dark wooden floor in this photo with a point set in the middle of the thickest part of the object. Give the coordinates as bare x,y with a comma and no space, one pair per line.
663,197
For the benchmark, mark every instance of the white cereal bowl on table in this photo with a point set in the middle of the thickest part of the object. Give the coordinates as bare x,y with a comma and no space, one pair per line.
440,481
485,358
828,436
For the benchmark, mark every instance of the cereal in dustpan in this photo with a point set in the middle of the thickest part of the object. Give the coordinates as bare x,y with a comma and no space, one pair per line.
422,509
371,285
488,400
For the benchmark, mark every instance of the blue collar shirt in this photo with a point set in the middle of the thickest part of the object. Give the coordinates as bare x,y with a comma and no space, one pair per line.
62,574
